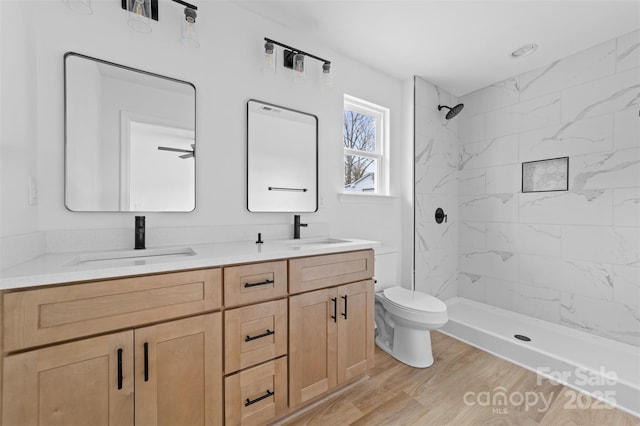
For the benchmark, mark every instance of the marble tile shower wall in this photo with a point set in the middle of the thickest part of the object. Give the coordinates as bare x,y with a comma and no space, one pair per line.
568,257
436,185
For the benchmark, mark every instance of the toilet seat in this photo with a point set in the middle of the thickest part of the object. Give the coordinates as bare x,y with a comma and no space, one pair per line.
421,309
414,300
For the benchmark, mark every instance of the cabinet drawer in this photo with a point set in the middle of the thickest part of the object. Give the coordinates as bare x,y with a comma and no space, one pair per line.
255,334
311,273
41,316
254,282
256,395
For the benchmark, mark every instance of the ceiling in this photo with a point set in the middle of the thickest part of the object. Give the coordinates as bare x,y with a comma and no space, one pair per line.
461,46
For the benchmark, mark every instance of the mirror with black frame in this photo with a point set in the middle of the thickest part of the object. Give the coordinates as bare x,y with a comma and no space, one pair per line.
282,159
130,142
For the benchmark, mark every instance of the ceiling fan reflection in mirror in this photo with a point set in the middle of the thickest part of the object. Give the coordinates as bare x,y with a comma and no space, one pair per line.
189,153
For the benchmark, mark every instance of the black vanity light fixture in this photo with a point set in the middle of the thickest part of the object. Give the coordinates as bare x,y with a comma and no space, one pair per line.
293,59
143,11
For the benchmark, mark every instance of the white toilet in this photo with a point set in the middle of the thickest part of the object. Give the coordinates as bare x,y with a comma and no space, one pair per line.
404,318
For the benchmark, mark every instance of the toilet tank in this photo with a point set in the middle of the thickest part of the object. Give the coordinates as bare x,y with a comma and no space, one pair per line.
386,272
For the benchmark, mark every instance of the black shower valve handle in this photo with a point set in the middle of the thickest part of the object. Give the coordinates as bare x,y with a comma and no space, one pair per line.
440,216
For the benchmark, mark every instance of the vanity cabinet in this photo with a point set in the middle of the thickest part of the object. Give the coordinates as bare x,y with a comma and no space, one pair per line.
152,349
170,371
331,329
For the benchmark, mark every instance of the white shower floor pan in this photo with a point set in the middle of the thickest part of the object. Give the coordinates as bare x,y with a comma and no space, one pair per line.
602,368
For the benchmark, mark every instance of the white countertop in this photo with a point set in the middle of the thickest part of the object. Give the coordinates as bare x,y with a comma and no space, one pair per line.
73,267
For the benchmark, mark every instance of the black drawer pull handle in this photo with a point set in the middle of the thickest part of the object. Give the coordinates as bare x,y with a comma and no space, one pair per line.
344,314
146,362
335,309
120,377
258,399
259,336
265,282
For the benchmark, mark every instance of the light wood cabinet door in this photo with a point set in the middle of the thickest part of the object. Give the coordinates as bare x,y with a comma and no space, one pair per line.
179,372
71,384
312,345
355,329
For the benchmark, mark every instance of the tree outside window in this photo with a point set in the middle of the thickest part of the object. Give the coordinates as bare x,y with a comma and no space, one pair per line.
364,136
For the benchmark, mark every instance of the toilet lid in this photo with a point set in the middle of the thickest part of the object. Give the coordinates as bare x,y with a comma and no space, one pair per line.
414,299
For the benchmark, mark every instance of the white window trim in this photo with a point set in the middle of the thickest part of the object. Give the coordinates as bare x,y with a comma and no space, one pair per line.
381,153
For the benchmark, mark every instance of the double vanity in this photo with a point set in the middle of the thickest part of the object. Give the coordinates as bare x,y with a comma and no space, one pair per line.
226,333
208,334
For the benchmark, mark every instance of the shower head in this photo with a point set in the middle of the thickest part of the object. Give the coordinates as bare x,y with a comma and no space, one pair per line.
452,111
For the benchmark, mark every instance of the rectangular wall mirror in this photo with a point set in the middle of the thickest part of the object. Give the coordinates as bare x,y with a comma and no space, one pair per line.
282,159
130,140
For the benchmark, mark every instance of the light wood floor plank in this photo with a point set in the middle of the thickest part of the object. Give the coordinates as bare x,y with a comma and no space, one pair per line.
396,394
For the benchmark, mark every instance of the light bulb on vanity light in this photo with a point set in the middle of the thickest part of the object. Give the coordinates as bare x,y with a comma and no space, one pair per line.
189,31
140,15
298,66
326,74
269,63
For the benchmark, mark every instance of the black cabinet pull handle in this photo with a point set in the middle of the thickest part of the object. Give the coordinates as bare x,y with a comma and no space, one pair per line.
279,188
344,314
259,336
335,309
120,377
146,362
265,282
258,399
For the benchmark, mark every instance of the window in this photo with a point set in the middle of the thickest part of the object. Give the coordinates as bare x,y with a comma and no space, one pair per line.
365,134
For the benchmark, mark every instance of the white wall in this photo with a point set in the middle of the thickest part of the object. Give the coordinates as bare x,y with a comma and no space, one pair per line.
226,71
19,135
566,257
18,152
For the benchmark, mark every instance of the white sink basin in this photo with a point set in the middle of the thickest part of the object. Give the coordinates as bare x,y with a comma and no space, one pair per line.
131,256
314,242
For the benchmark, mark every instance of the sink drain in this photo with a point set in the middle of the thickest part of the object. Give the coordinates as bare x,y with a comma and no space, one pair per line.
522,337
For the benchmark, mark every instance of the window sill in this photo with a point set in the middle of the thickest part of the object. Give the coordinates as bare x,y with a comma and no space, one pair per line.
360,198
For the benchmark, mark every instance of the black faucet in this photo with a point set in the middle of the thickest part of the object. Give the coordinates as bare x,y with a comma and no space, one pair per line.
139,232
296,226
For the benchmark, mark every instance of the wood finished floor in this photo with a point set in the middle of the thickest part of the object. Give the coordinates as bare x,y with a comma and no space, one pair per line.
396,394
